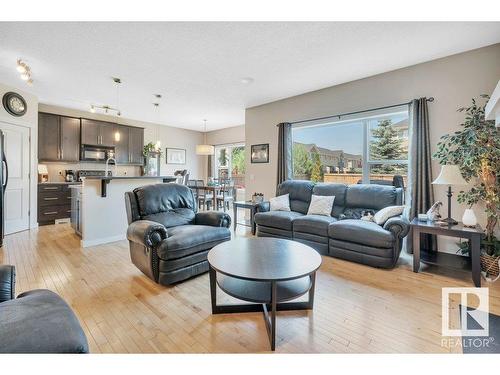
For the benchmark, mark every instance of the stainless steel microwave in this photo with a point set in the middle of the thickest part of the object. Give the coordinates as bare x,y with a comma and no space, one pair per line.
97,153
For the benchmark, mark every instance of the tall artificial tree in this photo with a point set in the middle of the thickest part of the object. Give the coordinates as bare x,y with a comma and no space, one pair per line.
476,150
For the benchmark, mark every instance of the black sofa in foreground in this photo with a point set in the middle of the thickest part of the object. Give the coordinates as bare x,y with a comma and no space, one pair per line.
341,234
169,241
38,321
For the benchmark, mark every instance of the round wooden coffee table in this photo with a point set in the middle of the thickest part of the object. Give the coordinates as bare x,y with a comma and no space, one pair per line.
266,271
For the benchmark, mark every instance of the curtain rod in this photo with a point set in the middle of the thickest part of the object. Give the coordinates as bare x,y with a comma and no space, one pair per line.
431,99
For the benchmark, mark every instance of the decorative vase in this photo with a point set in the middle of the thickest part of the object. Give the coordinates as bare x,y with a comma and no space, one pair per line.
469,219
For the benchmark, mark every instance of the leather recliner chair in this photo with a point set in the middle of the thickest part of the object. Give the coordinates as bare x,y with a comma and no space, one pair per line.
37,321
169,240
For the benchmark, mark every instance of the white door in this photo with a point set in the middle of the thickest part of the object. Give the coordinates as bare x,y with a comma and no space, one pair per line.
17,193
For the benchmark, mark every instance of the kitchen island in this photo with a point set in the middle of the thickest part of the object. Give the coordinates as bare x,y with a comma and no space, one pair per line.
103,217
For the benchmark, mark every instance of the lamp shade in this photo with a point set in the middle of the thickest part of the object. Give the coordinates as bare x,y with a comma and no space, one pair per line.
449,175
205,150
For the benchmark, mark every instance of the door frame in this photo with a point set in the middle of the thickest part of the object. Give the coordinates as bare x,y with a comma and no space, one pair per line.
229,146
32,210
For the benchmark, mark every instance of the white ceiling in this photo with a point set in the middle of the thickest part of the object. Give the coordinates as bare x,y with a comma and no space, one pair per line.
198,67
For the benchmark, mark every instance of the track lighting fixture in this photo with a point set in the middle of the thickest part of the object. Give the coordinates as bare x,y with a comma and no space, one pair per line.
24,71
107,108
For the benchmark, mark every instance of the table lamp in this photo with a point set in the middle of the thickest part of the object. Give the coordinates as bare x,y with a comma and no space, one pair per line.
450,175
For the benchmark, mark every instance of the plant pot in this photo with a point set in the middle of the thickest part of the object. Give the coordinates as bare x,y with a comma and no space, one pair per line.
489,264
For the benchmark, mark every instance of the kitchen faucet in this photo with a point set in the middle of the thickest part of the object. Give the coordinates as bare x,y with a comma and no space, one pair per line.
107,166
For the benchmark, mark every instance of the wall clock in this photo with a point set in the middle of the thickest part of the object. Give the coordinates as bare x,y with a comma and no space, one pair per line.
14,104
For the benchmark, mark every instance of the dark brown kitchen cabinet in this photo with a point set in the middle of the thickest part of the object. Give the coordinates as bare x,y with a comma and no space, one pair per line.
98,133
70,139
48,142
136,142
54,202
90,132
130,145
122,145
58,138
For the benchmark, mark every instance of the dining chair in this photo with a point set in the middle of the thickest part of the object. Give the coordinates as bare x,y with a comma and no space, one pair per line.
182,176
226,195
192,185
205,197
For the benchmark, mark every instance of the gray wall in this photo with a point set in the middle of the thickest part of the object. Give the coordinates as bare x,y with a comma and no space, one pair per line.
452,81
235,134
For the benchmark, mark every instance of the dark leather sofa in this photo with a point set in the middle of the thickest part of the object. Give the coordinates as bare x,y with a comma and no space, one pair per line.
38,321
342,234
169,241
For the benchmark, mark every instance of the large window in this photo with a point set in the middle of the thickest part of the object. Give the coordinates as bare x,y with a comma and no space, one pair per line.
368,149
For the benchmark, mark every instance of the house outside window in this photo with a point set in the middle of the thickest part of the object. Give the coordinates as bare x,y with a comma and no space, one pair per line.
372,148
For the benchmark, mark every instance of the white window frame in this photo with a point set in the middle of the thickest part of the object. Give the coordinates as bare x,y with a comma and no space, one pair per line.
229,146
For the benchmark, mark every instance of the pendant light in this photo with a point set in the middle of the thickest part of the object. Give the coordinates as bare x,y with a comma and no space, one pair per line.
205,149
117,82
158,142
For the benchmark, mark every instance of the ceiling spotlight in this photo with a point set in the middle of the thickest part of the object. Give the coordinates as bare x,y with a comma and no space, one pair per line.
247,80
157,96
25,76
21,66
116,79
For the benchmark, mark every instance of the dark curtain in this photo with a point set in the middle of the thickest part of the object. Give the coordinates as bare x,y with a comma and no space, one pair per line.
284,153
421,194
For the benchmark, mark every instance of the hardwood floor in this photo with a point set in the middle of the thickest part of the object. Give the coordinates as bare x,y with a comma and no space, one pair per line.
358,309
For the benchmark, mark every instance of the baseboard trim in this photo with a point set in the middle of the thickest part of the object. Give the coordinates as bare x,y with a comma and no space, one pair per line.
100,241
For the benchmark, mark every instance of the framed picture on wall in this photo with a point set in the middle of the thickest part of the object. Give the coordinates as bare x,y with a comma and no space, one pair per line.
260,153
176,156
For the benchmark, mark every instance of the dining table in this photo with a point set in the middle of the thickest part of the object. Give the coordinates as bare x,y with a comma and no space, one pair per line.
210,188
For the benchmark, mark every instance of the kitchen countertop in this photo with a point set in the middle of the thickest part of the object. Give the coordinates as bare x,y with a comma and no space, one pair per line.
60,183
129,177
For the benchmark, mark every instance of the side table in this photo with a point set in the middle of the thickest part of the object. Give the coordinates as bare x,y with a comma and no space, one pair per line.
471,263
248,205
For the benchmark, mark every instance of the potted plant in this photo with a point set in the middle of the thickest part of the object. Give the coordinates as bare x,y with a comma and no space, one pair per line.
475,148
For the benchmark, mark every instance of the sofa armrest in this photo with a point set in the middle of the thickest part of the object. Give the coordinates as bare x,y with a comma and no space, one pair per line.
146,232
213,219
398,225
263,207
7,282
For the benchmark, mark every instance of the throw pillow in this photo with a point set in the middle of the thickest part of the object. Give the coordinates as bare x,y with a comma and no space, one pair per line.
321,205
386,213
280,203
